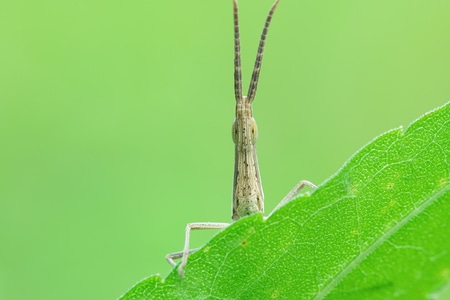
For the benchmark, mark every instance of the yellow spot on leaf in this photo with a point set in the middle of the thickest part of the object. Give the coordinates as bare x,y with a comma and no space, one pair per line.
251,230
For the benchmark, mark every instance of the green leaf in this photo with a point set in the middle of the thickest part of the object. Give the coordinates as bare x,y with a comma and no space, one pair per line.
378,229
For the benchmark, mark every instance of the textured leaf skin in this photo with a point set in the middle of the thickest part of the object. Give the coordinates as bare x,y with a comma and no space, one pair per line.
378,229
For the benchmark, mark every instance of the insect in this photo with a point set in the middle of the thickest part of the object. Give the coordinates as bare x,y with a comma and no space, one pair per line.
248,196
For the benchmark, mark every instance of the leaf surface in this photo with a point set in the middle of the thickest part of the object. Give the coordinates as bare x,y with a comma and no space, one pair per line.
378,229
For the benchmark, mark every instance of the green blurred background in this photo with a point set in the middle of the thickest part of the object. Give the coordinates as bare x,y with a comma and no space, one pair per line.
115,120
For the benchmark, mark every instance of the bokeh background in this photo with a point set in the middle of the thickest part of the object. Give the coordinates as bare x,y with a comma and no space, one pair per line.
115,120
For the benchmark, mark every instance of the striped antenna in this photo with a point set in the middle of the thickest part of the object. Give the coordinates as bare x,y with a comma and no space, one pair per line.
237,56
259,55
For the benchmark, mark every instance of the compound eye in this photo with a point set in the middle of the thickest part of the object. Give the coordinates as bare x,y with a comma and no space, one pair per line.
254,133
234,132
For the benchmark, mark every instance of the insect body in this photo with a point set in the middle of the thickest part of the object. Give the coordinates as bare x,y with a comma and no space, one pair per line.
248,197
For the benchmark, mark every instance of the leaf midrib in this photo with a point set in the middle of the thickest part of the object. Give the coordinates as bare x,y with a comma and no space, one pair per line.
384,237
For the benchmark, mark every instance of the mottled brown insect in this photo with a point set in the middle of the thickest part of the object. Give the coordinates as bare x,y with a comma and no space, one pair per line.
248,196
